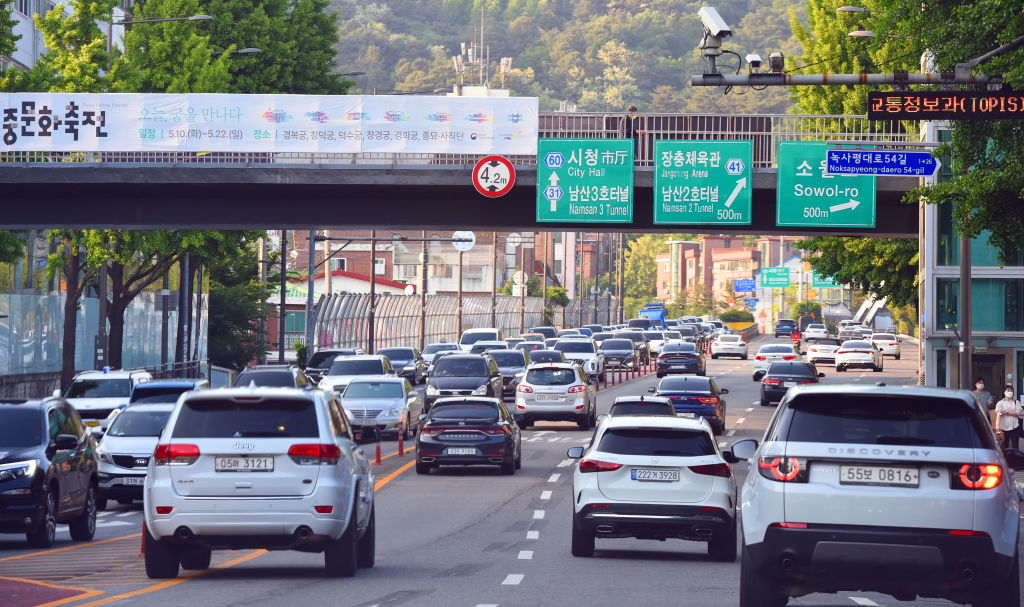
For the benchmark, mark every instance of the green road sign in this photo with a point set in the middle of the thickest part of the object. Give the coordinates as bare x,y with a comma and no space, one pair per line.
807,196
823,283
706,182
775,276
585,180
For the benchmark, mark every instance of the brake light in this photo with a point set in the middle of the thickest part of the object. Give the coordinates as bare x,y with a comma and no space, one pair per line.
708,400
789,357
577,389
323,454
789,525
783,469
980,476
175,455
741,344
494,430
524,389
967,532
164,509
808,382
593,465
772,382
814,349
892,344
324,509
722,470
760,358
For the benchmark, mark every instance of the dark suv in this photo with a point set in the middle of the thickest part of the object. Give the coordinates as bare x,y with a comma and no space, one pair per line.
784,326
464,375
272,376
782,376
47,471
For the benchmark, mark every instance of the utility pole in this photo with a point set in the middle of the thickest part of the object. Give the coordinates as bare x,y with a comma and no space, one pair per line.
966,342
283,314
101,329
165,295
424,259
372,316
621,272
459,299
494,280
310,287
544,280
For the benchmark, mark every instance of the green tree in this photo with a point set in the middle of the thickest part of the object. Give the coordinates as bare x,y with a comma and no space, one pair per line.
886,267
236,296
808,308
639,272
8,39
69,263
77,60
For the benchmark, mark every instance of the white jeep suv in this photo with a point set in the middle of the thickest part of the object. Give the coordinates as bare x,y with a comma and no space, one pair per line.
272,468
654,477
899,490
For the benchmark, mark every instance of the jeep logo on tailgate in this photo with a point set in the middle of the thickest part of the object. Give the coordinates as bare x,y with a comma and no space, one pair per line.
241,445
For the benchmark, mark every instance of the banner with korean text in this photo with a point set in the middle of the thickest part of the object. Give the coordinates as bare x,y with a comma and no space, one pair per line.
207,122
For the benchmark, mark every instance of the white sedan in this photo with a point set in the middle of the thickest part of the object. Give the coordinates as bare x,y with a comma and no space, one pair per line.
729,345
822,350
857,353
888,344
771,353
816,330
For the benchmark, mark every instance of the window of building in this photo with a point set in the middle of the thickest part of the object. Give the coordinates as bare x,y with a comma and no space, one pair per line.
295,321
379,265
995,303
940,367
557,237
24,7
557,267
339,263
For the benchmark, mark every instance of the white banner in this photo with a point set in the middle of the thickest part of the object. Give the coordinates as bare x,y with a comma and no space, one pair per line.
208,122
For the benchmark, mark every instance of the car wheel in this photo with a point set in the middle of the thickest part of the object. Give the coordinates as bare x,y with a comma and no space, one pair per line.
42,535
756,588
722,547
659,374
341,554
702,372
508,468
718,428
840,368
519,458
527,422
422,468
764,400
744,357
366,547
101,504
583,421
1001,593
83,527
162,558
195,557
714,357
898,356
406,433
877,368
582,541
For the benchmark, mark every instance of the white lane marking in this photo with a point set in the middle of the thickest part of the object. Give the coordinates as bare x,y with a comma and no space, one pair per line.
525,555
129,513
862,601
554,478
112,523
750,409
487,605
564,463
538,514
533,535
545,495
741,420
542,432
105,513
723,443
757,402
513,579
730,433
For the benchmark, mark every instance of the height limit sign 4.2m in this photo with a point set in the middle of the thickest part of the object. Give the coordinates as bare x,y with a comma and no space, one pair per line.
585,180
809,196
494,176
703,182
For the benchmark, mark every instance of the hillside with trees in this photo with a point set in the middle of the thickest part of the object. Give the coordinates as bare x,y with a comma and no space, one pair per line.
599,55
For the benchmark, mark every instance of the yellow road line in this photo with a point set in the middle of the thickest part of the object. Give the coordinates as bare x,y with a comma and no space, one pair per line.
387,479
83,593
66,548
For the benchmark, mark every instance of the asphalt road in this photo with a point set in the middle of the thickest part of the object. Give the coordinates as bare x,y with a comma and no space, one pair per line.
458,537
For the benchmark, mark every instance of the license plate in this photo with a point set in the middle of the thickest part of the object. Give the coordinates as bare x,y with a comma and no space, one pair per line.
788,384
92,423
678,366
658,476
885,476
252,463
133,480
549,397
460,451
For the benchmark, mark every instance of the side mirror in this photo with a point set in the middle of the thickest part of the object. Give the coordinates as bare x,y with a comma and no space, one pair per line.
899,340
422,418
651,389
744,449
1014,458
729,458
601,417
574,452
98,433
760,373
56,393
724,391
821,375
63,442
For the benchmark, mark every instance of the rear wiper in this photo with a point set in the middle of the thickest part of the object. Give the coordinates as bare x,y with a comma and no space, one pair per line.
258,433
902,440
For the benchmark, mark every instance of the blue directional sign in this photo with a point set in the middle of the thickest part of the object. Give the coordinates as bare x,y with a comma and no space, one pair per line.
744,285
900,163
751,302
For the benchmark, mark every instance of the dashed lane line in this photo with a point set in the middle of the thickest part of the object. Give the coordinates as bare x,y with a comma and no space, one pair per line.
554,478
545,495
723,443
741,420
513,579
538,514
757,403
730,432
749,409
862,601
129,513
526,555
565,463
487,605
533,535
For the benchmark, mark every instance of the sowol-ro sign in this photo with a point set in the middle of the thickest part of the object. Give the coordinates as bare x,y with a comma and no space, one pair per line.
809,196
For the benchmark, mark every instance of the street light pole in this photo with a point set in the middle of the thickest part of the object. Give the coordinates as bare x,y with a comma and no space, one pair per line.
966,347
310,286
494,280
424,257
459,304
281,346
371,330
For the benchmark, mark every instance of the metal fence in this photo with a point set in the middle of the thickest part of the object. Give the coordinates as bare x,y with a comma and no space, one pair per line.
765,130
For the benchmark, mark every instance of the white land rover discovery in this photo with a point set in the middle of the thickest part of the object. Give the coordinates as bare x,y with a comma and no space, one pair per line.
273,468
899,490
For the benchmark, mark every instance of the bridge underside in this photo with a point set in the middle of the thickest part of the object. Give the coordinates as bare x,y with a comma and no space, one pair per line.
351,196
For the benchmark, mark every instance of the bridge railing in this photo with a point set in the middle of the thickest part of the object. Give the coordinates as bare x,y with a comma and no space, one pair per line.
765,130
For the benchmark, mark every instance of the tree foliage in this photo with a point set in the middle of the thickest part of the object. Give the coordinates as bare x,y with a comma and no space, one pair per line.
886,267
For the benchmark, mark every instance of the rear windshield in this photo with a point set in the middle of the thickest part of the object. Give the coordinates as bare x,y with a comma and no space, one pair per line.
642,323
656,441
791,369
460,367
271,379
546,356
472,338
616,344
396,353
99,388
673,335
685,384
435,348
813,326
642,409
226,418
823,341
142,394
356,367
655,335
20,428
577,346
687,330
322,360
856,344
509,359
687,347
728,338
138,423
442,411
884,336
776,349
374,389
550,377
784,322
882,420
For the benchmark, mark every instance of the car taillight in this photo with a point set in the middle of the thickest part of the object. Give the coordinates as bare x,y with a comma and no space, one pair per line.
892,344
593,465
324,454
741,344
789,525
772,382
175,455
808,382
708,400
977,476
432,430
524,389
760,358
722,470
495,430
783,469
789,357
576,389
814,349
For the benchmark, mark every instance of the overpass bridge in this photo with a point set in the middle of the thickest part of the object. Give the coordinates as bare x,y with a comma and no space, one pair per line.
421,191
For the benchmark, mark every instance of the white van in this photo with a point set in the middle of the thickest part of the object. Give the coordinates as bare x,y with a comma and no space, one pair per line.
471,336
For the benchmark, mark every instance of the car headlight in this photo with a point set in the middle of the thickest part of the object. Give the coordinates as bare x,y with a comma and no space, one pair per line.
392,412
432,391
480,391
103,455
25,469
409,368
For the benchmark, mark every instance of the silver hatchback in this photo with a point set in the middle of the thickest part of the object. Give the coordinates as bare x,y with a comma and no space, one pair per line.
557,392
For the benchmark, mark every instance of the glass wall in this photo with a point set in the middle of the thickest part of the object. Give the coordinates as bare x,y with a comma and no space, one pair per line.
940,368
995,303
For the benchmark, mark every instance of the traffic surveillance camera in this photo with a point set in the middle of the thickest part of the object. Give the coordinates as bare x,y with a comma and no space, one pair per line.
714,23
754,61
776,62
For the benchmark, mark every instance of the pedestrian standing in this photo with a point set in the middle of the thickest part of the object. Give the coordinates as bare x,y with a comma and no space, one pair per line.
631,126
986,399
1009,413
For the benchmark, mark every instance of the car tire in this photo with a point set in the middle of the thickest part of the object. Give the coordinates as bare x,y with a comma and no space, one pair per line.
422,468
877,368
764,400
583,422
582,541
406,434
101,504
718,428
162,558
519,458
744,357
43,534
1001,593
340,556
83,526
898,356
840,368
366,547
714,357
702,372
195,557
756,588
527,422
722,547
508,468
659,374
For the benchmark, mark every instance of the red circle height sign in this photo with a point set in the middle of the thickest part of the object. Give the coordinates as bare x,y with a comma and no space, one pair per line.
494,176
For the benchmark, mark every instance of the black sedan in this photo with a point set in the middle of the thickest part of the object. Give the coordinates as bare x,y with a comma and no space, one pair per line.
408,363
546,356
512,364
697,396
681,357
619,353
468,432
782,376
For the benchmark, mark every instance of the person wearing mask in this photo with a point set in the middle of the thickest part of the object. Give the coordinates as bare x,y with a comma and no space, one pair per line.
1009,413
986,399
